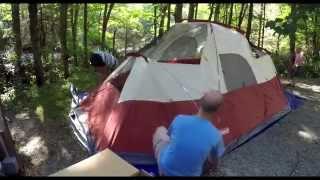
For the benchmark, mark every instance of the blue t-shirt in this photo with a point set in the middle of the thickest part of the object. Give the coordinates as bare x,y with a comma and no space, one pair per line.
192,139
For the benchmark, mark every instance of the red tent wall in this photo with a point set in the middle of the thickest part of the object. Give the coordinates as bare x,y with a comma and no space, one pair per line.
129,126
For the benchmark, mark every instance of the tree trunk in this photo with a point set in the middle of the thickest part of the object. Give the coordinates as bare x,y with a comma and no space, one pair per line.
248,33
85,34
17,34
196,13
163,9
240,14
74,33
243,10
63,38
263,25
225,19
103,32
260,24
315,37
211,12
106,17
191,11
278,44
169,15
292,34
43,35
126,42
230,16
35,40
114,42
155,21
217,12
178,13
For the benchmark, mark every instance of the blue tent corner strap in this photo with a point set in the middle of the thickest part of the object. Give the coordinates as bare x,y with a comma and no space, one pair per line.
294,101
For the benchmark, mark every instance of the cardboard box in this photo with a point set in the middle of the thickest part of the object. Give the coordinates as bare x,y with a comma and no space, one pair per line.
104,163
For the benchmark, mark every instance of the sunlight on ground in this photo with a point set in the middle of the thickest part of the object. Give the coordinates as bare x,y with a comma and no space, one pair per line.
37,149
313,88
40,113
23,115
317,108
308,134
66,154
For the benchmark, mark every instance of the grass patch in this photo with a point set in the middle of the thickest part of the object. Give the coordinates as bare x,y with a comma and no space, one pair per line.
52,101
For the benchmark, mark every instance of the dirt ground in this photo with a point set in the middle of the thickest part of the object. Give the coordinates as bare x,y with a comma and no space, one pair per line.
290,147
44,149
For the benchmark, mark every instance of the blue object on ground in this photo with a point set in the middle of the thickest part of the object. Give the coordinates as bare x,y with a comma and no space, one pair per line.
294,101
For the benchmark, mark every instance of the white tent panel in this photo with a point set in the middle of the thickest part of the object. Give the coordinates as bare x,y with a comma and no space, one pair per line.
162,82
211,73
232,42
265,68
165,82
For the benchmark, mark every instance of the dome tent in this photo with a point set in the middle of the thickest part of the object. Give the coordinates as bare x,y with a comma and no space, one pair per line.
169,78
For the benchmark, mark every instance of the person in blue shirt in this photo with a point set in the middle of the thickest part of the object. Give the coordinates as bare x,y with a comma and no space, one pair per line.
190,141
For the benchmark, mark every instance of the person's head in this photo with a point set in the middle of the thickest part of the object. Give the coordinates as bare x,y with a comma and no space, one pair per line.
209,103
103,64
298,50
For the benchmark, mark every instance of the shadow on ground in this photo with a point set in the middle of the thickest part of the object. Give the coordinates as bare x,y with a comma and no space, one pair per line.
39,125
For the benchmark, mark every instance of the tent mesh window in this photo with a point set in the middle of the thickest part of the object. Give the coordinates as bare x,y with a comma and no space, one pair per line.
237,72
183,41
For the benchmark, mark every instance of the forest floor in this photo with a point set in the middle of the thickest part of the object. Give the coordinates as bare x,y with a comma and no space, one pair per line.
46,144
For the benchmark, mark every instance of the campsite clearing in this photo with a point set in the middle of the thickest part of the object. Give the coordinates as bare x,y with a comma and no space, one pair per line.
290,147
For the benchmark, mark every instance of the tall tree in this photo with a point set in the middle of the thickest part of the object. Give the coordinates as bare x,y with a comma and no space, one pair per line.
230,14
225,19
74,32
250,15
163,9
106,17
63,38
85,34
264,22
35,40
17,34
43,33
191,11
242,14
217,12
126,41
196,12
293,27
278,44
155,20
114,42
315,41
178,13
169,15
211,11
260,24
